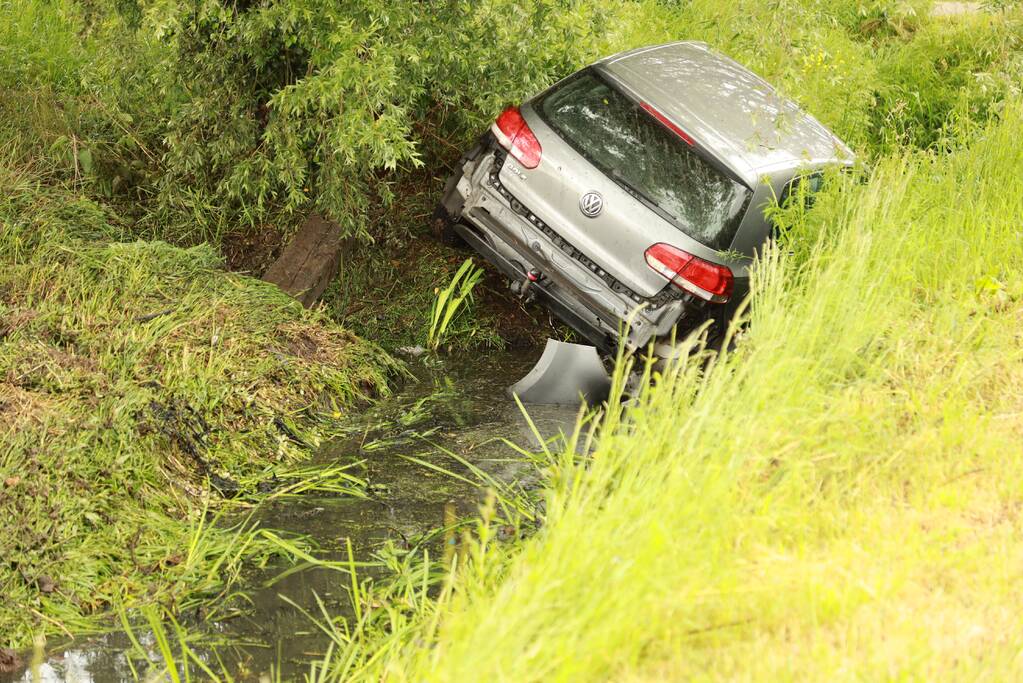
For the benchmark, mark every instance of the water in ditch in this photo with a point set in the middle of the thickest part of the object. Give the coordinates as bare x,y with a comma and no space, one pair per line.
454,404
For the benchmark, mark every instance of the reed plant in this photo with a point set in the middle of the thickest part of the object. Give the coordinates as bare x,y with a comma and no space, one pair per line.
451,301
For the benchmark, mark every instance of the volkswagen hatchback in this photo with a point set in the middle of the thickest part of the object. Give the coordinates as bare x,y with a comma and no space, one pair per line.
634,190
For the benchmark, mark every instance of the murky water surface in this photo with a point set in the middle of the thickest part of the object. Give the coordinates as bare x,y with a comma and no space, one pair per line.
456,404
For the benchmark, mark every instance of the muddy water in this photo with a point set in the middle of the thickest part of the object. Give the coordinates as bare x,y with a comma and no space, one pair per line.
457,404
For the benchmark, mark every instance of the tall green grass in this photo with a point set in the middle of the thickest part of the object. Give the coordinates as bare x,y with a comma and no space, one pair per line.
848,469
948,80
836,499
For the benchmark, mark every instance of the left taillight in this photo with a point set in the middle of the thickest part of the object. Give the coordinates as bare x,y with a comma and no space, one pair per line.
706,280
513,133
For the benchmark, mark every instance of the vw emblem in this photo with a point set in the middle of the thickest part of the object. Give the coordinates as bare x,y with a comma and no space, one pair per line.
591,204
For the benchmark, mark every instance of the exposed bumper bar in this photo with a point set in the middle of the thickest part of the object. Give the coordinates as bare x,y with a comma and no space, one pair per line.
589,328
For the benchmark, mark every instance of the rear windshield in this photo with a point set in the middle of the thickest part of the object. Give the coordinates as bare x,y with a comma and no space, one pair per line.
649,161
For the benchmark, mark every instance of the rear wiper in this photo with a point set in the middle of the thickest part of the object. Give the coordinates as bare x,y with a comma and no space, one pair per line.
621,180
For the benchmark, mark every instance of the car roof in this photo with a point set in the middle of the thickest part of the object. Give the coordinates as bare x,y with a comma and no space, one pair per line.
726,108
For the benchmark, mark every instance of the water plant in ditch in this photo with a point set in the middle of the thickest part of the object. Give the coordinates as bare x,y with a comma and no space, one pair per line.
450,301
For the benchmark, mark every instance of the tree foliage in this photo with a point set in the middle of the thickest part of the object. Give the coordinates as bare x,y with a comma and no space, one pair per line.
211,116
280,105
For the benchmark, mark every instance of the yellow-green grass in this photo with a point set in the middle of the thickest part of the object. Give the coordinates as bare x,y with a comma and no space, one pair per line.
809,504
838,499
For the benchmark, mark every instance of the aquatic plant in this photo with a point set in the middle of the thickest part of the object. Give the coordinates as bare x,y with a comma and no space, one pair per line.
451,301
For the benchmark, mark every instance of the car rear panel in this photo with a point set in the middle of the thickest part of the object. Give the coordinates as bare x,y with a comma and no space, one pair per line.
618,237
508,237
599,261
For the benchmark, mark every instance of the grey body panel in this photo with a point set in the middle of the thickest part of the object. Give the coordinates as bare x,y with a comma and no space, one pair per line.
566,374
518,246
617,237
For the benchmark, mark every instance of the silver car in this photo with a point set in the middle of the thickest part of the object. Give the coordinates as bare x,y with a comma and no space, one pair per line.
635,190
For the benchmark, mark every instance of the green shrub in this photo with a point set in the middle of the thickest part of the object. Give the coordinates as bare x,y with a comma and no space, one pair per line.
200,119
285,105
880,19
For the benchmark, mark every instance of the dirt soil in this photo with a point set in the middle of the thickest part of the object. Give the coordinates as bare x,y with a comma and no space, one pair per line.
252,251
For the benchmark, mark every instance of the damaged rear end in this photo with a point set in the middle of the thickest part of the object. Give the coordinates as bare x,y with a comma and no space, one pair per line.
593,202
629,198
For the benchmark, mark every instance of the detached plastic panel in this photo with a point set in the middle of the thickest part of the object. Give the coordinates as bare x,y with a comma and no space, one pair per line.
566,374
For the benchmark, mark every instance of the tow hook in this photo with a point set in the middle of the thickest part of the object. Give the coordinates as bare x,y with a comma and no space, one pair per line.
524,288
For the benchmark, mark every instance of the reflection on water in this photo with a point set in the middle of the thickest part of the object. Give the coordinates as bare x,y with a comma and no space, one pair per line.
458,405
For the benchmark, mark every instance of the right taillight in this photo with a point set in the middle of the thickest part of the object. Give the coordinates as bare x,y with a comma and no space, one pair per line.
514,135
706,280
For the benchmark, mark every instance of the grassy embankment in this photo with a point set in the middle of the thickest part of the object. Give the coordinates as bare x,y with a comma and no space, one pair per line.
110,100
135,370
130,374
141,385
839,499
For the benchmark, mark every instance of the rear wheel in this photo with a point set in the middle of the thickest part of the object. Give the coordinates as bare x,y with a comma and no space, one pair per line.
443,227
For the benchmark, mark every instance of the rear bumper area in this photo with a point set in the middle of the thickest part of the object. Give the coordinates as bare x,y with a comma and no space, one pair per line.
570,312
573,287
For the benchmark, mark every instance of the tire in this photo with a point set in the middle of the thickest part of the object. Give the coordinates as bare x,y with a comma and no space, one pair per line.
443,228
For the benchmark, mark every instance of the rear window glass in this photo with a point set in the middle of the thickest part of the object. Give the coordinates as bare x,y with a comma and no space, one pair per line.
649,161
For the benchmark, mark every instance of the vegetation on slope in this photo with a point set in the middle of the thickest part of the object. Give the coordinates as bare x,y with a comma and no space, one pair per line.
839,497
862,430
132,376
213,116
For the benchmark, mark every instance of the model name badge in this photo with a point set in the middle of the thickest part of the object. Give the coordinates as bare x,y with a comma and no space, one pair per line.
516,171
